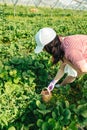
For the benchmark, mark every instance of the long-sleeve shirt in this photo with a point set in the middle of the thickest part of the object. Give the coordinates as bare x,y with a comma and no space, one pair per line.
75,48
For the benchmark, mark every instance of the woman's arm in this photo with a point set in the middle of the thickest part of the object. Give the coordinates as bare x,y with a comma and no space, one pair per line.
68,79
60,72
58,76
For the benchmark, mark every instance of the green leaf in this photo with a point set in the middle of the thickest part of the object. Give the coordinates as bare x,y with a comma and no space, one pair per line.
39,122
3,118
45,126
44,112
54,115
15,60
58,126
16,80
66,117
67,114
40,105
51,122
84,113
73,126
84,123
82,110
67,103
12,128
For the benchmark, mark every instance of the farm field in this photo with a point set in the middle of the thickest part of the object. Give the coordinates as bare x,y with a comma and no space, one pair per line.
23,74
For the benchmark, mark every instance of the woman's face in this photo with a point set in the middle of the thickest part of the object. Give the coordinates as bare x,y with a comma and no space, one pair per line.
48,48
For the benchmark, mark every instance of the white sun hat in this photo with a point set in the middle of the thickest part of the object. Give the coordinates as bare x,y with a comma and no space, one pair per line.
43,37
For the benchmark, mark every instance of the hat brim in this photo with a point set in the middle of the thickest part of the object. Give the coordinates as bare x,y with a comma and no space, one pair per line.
38,49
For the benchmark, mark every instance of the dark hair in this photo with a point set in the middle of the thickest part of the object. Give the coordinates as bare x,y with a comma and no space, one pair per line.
54,48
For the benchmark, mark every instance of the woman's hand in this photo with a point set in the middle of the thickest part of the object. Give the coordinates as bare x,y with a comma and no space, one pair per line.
51,85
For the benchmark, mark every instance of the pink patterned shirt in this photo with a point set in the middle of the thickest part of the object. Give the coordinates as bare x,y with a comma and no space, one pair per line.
75,48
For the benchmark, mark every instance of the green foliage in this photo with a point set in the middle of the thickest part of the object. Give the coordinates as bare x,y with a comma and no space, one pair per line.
23,74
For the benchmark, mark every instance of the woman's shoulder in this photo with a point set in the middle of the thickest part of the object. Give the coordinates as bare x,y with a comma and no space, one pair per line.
74,41
76,37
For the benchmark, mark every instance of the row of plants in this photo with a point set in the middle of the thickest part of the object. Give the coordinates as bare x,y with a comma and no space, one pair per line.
24,74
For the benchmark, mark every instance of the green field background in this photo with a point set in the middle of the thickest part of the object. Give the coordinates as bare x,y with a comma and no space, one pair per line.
23,74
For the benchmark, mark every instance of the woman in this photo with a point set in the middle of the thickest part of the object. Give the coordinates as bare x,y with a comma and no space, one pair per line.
71,51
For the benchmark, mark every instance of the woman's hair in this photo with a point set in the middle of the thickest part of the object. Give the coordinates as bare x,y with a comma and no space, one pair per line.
54,48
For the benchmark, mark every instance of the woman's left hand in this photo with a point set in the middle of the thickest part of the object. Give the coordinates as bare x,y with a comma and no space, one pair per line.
51,86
